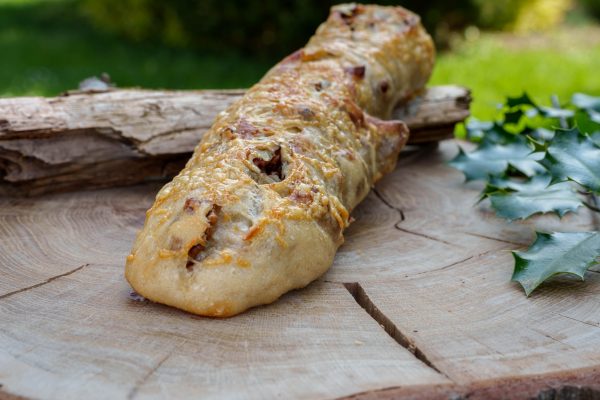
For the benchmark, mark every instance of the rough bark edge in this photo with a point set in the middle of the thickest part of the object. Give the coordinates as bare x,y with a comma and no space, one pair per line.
582,384
579,384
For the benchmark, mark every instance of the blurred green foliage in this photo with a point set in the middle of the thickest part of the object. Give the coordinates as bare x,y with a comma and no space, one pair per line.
592,6
47,46
271,27
497,14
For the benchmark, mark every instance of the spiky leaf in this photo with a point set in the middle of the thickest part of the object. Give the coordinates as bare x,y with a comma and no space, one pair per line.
542,134
490,159
594,116
524,99
477,129
572,155
519,200
596,138
553,112
513,117
496,134
556,253
586,102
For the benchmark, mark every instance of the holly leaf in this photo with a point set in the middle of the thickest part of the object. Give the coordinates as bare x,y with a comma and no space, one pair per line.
556,253
553,112
513,117
496,134
476,129
531,112
521,199
542,134
595,137
585,101
588,103
522,100
574,156
491,159
594,116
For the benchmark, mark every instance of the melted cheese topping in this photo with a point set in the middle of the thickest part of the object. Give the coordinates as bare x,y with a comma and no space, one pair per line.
261,206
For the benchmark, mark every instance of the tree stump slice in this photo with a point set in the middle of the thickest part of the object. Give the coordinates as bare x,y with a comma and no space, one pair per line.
418,305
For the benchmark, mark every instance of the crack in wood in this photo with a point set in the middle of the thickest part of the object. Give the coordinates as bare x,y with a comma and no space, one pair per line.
454,263
363,300
580,321
135,389
403,218
423,235
547,335
556,340
173,132
448,266
390,205
53,278
494,238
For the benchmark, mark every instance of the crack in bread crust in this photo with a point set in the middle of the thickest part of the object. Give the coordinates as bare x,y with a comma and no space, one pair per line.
284,166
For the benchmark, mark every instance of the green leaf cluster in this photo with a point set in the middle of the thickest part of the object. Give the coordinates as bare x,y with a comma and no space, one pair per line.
539,159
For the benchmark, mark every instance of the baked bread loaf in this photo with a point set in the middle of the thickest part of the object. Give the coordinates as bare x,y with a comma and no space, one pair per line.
261,206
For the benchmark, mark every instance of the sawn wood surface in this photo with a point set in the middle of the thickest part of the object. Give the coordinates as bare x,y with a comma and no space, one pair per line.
418,304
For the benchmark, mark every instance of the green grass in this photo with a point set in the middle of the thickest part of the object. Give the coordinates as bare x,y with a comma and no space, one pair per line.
47,48
499,65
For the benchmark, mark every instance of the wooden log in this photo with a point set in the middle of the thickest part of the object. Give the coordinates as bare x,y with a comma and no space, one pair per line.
120,137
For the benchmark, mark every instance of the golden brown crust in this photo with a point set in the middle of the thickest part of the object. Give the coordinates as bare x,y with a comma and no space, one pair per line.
261,206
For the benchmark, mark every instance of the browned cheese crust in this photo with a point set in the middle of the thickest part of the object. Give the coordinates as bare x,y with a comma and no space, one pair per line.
261,206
